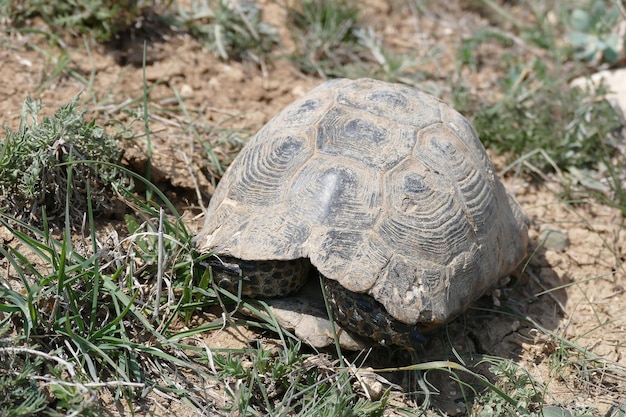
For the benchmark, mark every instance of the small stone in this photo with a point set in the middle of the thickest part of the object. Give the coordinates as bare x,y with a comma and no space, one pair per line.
186,90
552,238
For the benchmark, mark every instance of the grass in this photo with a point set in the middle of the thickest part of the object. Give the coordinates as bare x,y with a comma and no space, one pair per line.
82,313
333,40
100,307
574,127
103,19
281,382
32,171
228,28
325,34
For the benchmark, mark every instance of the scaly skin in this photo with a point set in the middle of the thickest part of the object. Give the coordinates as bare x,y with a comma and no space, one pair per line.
357,313
259,279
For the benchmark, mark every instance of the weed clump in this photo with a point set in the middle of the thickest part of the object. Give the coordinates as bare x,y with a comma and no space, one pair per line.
573,129
103,19
595,33
230,29
44,164
325,33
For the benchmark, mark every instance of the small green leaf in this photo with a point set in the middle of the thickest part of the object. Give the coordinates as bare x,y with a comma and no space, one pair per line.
552,411
581,20
131,224
579,39
611,48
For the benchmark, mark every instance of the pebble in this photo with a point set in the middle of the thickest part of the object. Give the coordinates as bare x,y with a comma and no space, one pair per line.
552,238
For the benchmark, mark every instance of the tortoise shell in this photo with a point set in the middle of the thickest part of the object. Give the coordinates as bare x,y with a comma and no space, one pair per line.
387,190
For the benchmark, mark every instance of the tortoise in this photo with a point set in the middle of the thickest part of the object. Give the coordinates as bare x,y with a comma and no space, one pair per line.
383,190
